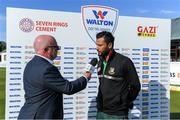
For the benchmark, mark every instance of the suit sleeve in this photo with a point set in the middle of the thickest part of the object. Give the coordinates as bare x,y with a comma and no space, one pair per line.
55,81
133,79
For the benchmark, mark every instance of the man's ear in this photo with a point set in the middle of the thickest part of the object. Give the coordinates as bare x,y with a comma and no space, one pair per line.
110,45
45,49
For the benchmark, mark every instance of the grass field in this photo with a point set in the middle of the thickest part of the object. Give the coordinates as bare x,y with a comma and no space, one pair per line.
175,105
2,92
174,95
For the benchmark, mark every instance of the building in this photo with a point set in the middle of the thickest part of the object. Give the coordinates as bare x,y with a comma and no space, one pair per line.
175,40
175,53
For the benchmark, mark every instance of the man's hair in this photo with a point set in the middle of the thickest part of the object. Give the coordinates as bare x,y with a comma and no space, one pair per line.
108,37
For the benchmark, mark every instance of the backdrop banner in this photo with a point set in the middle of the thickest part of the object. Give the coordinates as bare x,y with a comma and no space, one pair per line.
145,40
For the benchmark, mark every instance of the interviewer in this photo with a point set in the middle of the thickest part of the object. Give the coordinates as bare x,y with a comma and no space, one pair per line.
44,85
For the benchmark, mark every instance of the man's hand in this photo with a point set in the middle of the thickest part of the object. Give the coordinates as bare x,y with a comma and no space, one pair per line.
87,75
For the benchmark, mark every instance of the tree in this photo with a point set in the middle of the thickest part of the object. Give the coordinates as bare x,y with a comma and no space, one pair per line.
2,46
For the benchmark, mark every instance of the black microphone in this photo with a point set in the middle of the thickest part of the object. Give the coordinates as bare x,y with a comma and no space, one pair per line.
91,66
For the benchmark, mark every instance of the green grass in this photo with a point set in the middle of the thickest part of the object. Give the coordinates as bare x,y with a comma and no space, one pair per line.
174,102
2,92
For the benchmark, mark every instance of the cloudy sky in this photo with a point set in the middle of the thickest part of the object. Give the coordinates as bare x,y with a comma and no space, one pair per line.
165,9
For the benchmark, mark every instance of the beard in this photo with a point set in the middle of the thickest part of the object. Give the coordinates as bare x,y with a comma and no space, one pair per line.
104,54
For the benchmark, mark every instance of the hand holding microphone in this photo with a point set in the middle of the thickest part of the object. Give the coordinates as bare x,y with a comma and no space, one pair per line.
89,69
91,66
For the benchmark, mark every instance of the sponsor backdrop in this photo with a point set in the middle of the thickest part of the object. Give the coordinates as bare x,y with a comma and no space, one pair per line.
146,41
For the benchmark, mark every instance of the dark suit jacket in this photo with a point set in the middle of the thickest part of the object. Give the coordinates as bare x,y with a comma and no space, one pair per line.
44,86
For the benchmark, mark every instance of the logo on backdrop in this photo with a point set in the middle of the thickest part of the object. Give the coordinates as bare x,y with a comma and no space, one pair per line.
26,25
147,31
99,18
100,14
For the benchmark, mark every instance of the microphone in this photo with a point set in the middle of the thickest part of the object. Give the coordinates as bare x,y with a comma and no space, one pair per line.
91,66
